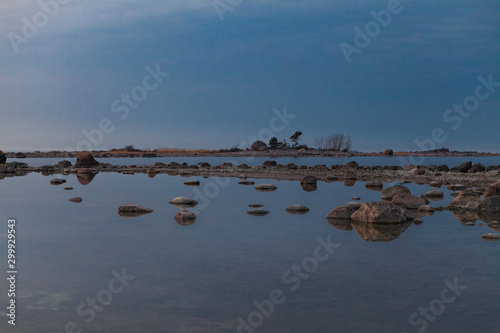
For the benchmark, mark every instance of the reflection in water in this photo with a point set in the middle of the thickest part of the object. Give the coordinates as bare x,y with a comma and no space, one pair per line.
373,232
341,224
349,182
467,218
132,214
309,187
85,178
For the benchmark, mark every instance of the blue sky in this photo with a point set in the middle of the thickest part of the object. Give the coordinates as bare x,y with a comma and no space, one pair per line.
226,76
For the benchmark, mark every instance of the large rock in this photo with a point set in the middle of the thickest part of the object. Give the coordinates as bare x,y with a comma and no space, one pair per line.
85,160
409,201
342,212
258,145
490,205
464,199
381,212
493,190
464,167
3,158
477,168
390,192
388,152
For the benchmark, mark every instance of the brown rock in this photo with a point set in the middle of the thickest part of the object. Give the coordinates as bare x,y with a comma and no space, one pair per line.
76,199
464,198
309,180
258,145
493,190
390,192
389,152
409,201
381,212
185,217
85,160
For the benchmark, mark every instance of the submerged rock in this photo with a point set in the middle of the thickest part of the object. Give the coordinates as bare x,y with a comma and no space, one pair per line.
381,212
390,192
258,212
266,187
185,217
297,209
183,202
132,210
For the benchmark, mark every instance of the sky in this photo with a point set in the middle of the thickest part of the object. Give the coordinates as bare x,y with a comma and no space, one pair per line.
76,74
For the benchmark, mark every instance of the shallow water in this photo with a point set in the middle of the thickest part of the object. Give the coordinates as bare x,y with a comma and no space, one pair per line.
309,161
203,277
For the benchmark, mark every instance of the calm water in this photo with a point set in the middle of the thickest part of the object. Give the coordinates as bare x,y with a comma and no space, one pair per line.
203,277
309,161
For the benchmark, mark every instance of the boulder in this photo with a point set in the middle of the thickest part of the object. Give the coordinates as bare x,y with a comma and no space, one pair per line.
85,160
269,164
309,180
493,190
381,212
443,168
490,205
132,210
65,164
297,209
258,146
183,202
185,217
388,152
390,192
342,212
464,167
407,200
435,195
477,168
349,165
464,198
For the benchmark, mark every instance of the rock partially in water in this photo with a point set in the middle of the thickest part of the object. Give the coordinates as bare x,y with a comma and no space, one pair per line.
381,212
266,187
435,195
464,167
242,177
247,182
185,217
57,181
477,168
435,184
390,192
76,199
464,198
68,188
376,186
342,212
133,210
341,224
309,187
493,190
258,212
409,201
3,158
85,178
490,205
255,205
371,232
297,209
491,236
456,187
192,183
426,209
85,160
183,202
467,218
65,164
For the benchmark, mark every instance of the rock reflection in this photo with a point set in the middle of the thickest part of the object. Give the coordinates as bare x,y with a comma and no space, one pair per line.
467,218
341,224
374,232
85,178
309,187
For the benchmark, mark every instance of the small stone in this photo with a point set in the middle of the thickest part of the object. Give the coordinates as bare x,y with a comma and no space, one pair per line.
68,188
255,205
297,209
247,182
57,181
192,183
266,187
76,199
185,217
258,212
491,236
